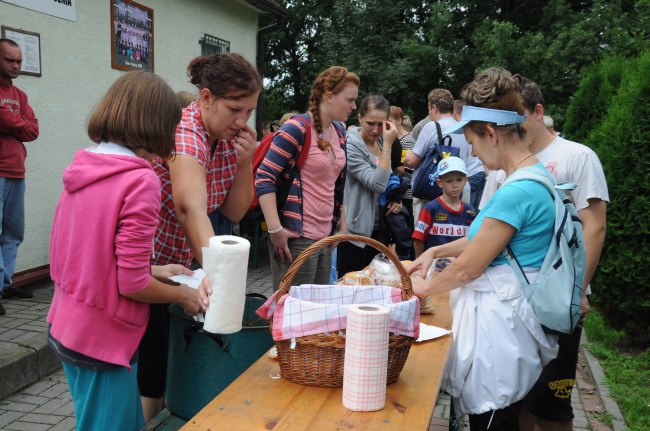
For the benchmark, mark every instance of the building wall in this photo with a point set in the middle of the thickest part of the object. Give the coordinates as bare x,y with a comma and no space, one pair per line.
76,71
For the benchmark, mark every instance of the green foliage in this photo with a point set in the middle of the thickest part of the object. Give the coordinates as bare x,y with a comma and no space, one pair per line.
590,103
627,374
404,48
621,141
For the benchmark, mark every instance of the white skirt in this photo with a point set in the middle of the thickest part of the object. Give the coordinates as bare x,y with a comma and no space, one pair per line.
499,347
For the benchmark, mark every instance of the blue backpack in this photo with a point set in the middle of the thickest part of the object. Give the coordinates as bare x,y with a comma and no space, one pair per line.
556,294
424,185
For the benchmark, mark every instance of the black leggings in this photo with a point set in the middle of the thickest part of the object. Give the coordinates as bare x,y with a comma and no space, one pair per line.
152,365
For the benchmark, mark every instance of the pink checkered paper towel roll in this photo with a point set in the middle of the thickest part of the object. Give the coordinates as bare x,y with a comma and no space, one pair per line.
366,358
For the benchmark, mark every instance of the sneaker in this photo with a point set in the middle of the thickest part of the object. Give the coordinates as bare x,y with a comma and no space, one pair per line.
2,309
12,292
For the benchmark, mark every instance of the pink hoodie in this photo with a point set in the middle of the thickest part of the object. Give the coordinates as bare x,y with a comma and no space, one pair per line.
100,249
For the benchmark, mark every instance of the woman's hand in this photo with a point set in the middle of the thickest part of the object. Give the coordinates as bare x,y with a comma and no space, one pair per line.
167,271
420,266
204,292
245,143
280,242
190,302
390,133
419,285
393,207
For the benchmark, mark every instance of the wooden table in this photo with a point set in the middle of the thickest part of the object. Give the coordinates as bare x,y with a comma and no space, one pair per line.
256,401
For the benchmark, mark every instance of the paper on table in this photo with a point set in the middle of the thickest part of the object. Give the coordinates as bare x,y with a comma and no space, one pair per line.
428,332
194,280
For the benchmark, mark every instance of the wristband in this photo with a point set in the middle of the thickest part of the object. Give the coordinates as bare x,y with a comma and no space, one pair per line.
276,230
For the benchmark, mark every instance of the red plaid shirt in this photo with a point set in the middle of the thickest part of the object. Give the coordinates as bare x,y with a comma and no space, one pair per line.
170,243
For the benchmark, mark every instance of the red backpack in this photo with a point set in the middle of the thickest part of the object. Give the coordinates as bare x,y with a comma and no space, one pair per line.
254,211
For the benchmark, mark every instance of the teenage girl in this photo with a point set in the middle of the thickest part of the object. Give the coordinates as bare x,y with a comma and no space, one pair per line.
101,247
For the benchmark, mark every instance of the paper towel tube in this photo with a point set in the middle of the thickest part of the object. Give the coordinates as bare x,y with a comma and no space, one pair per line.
225,262
366,358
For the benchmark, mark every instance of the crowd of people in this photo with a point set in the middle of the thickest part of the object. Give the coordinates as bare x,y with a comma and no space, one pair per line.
172,169
497,127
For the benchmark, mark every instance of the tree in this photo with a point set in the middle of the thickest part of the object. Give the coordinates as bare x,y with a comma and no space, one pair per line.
620,131
592,99
292,54
404,48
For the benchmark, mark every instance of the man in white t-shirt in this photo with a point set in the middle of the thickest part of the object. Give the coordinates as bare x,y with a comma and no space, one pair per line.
441,106
548,405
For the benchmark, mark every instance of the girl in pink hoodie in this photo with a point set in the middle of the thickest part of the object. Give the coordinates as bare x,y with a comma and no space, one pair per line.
101,247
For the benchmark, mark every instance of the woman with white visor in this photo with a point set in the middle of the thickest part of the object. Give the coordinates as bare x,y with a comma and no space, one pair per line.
499,347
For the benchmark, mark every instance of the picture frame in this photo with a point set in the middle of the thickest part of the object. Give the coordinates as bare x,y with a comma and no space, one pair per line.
132,36
30,45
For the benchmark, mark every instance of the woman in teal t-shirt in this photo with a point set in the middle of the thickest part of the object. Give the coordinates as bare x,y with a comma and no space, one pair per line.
499,346
524,205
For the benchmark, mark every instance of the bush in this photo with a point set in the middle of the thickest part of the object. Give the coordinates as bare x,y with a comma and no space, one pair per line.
621,141
592,99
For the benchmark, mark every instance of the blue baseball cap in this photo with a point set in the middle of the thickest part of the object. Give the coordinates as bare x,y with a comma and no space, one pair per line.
451,164
487,115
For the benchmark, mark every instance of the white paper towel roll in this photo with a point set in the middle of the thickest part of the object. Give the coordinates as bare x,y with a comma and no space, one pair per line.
366,358
225,261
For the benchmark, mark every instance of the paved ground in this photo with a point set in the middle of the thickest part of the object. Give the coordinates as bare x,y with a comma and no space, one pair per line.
34,394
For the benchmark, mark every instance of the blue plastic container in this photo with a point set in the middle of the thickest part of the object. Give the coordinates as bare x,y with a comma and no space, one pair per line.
201,364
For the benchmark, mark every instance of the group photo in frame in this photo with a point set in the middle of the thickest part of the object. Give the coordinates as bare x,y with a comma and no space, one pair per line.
131,36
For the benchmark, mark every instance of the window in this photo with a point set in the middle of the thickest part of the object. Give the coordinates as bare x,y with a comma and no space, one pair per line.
213,45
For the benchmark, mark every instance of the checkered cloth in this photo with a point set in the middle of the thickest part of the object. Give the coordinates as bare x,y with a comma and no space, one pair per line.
316,309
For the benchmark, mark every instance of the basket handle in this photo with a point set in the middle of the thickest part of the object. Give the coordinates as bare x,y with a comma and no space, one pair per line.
285,284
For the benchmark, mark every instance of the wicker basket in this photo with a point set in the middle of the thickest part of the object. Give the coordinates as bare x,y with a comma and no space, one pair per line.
317,360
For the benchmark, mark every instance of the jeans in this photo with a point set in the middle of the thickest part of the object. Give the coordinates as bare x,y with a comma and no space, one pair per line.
12,226
476,184
315,270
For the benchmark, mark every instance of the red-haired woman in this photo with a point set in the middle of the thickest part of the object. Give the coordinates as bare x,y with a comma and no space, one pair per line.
313,205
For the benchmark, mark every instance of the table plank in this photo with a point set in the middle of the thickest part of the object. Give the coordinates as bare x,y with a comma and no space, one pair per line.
256,401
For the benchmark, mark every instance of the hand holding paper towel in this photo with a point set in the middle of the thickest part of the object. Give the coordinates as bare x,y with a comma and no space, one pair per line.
225,262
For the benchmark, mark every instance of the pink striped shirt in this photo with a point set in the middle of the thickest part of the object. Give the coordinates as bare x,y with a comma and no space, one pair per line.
318,177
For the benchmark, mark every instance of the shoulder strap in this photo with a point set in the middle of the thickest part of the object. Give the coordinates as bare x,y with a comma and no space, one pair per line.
432,149
530,173
441,138
306,138
439,130
340,128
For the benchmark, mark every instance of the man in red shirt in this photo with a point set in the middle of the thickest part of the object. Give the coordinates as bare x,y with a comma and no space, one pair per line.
17,125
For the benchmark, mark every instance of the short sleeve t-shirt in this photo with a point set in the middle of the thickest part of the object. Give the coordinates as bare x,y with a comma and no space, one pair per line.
440,224
429,137
527,206
569,161
566,161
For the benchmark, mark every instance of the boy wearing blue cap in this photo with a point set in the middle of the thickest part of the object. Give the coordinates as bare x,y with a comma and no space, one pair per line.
446,218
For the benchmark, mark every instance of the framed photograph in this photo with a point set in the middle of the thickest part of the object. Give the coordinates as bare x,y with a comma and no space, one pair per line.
131,36
30,45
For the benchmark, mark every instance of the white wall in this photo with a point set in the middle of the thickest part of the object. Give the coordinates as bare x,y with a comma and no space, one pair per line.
76,71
